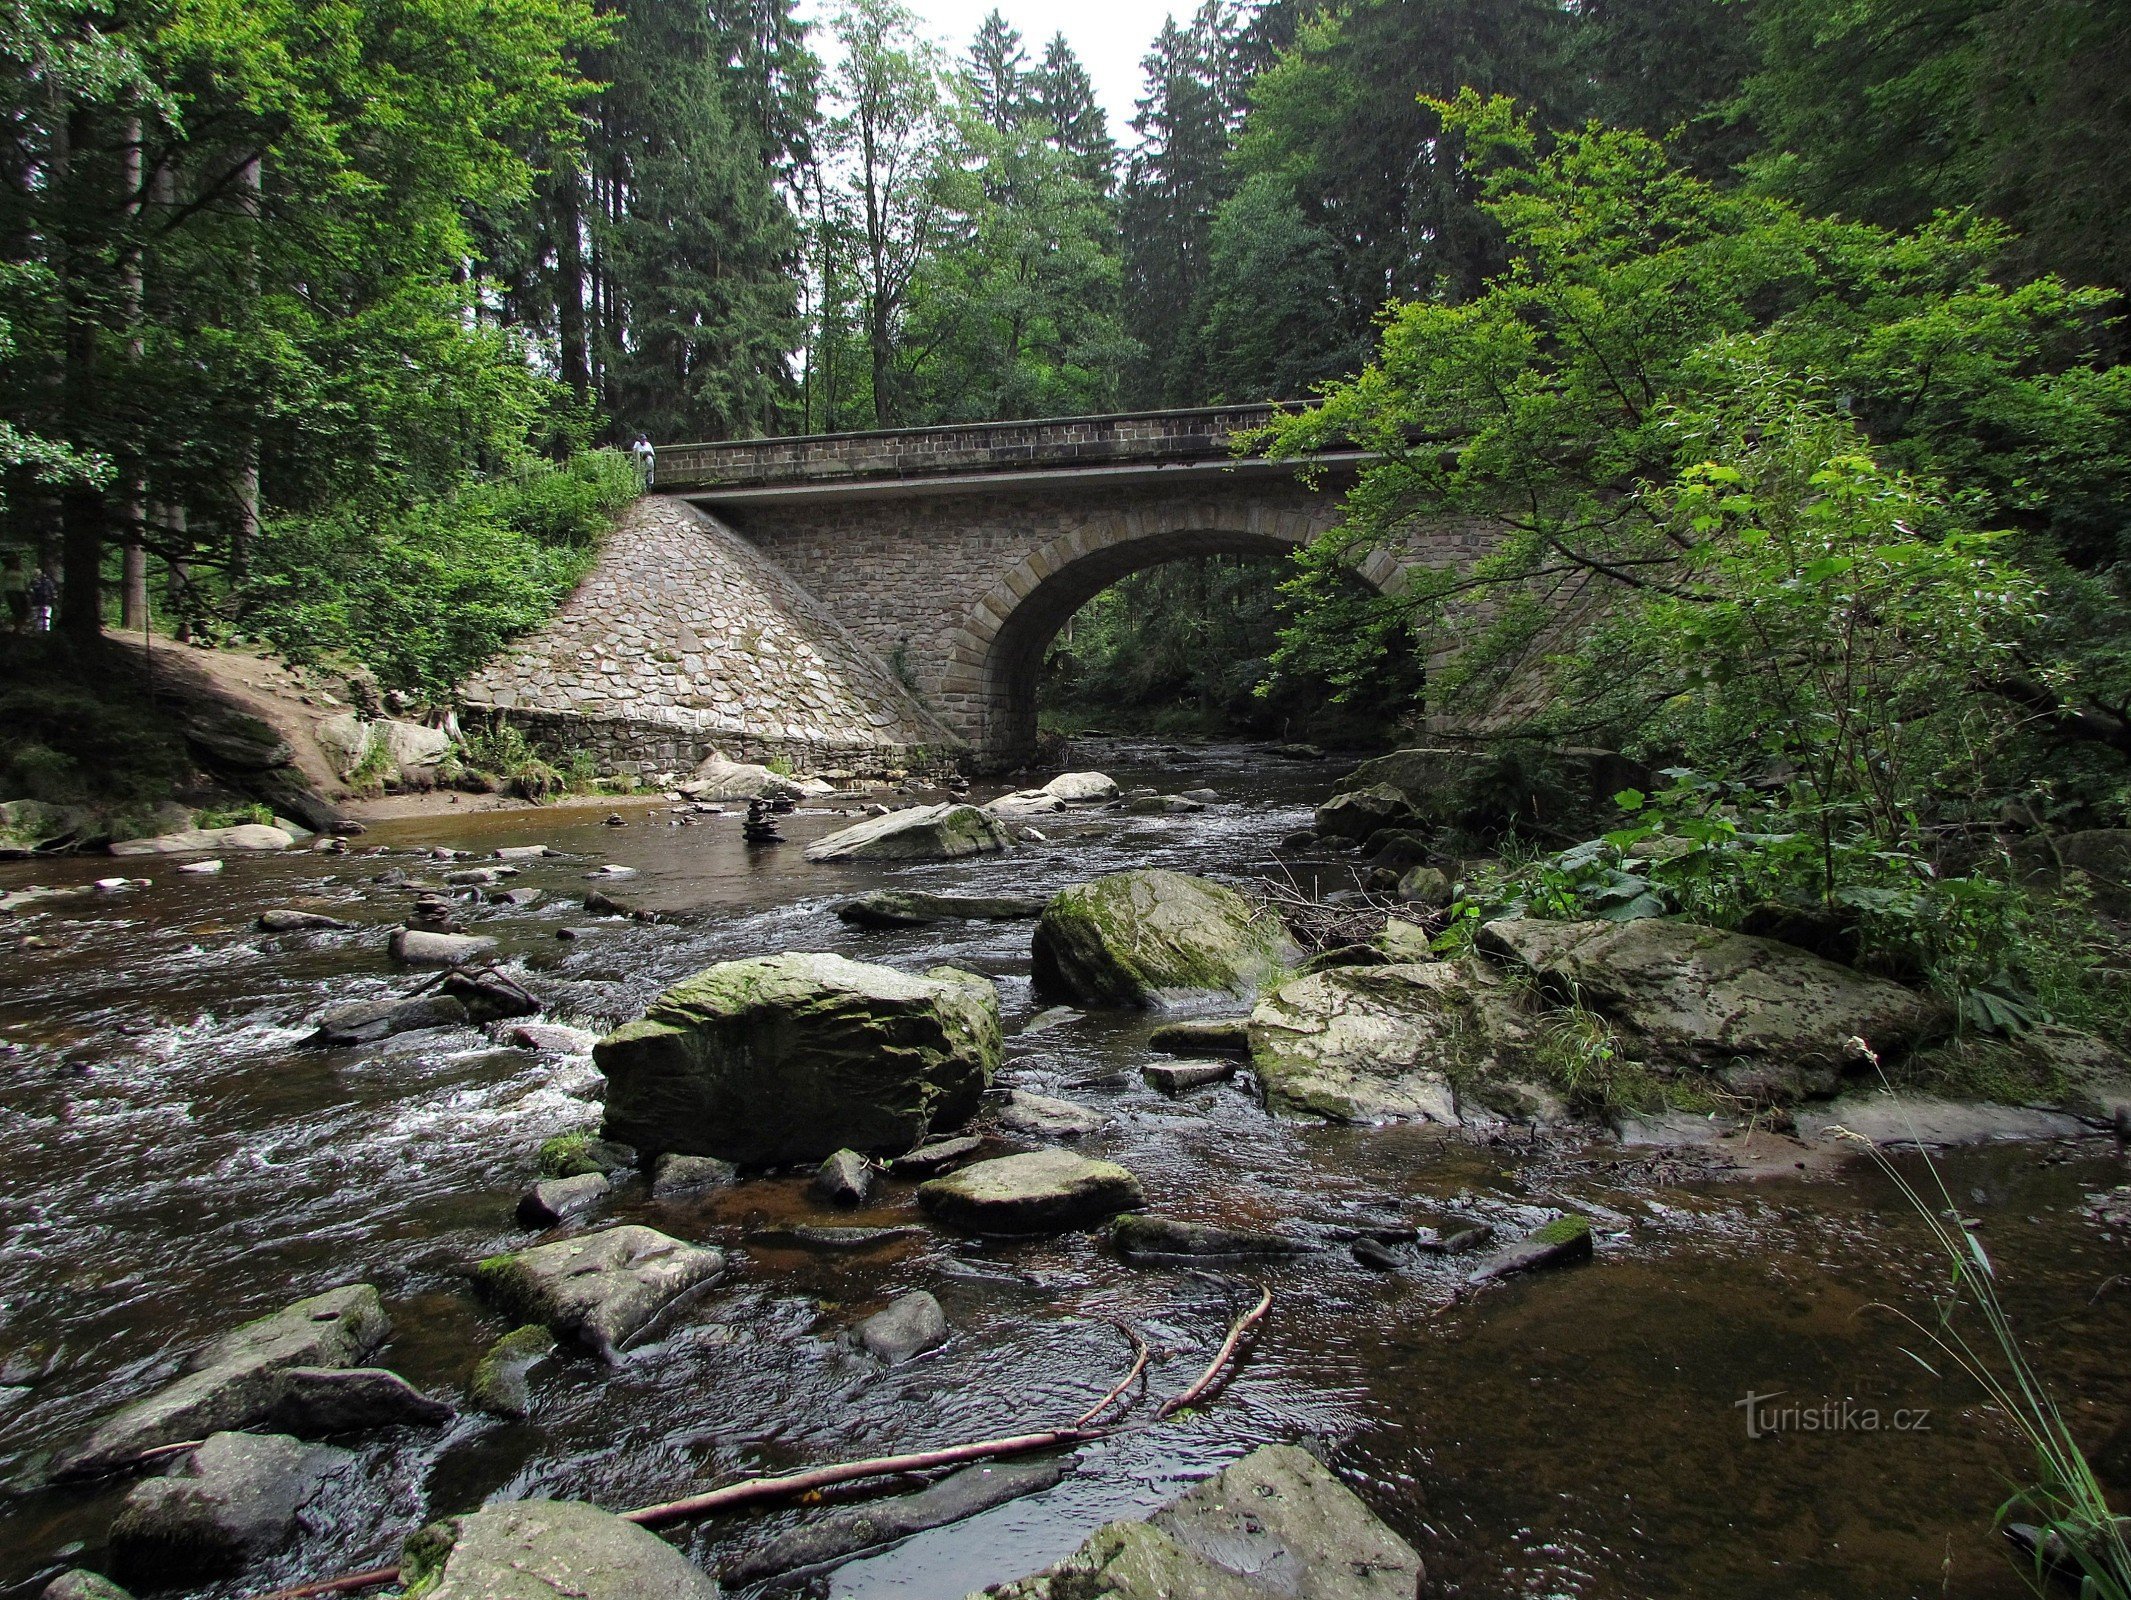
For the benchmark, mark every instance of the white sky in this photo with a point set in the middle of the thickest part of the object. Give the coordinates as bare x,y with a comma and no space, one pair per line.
1111,37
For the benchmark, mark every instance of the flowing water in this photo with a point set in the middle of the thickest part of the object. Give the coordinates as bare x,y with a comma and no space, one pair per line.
175,1161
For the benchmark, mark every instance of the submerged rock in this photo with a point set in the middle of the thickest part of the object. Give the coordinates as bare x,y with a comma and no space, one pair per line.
1368,1044
815,1236
1768,1018
599,1289
843,1533
367,1021
501,1384
912,908
791,1057
1563,1240
1151,938
286,920
236,1381
1144,1235
316,1401
541,1549
1276,1524
909,1327
78,1583
1042,1191
1039,1116
237,1497
922,833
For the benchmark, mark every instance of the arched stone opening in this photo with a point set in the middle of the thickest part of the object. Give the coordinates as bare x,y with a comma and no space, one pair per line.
996,656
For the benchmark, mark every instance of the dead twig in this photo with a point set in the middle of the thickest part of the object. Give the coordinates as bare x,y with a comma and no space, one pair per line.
1139,1365
375,1578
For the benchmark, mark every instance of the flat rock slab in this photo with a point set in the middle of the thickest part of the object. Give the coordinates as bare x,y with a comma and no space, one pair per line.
235,1382
1674,1129
1042,1191
1562,1241
680,1177
920,833
1226,1036
1141,1237
207,841
236,1498
367,1021
1040,1116
1925,1120
1174,1077
844,1533
553,1038
909,1327
285,919
1274,1524
545,1549
911,908
598,1289
936,1156
316,1401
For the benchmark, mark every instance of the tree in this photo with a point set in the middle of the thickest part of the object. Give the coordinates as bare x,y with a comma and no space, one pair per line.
1063,96
998,75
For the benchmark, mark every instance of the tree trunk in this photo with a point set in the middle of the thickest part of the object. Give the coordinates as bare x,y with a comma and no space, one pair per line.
567,213
81,509
244,530
133,514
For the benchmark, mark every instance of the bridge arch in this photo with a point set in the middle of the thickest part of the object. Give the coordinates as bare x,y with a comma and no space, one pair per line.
988,686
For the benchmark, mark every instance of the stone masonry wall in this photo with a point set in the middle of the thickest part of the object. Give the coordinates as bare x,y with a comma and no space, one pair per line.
685,638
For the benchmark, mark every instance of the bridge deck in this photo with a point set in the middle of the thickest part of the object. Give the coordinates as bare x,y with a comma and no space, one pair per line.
1128,445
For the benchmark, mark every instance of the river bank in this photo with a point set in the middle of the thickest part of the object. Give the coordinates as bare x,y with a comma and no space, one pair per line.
184,1163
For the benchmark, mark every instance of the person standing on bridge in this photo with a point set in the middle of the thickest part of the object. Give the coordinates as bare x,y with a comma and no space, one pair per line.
644,457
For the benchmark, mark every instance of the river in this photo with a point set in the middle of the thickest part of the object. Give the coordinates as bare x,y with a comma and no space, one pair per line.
175,1161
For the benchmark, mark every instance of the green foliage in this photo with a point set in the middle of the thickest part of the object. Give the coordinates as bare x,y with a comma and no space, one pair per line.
501,752
76,730
235,816
423,595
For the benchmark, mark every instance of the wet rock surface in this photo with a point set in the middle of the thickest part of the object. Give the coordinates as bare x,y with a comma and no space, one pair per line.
553,1201
1139,1234
844,1179
1154,938
502,1381
599,1289
792,1057
913,908
1039,1191
1275,1523
908,1328
235,1382
235,1498
921,833
1042,1116
546,1549
367,1021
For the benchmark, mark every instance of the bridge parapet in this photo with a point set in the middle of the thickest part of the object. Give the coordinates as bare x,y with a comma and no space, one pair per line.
1151,438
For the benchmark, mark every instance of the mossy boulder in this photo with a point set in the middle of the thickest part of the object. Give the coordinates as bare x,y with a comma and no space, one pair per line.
1769,1019
795,1056
598,1289
1042,1191
1386,1043
538,1549
920,833
1154,938
1356,814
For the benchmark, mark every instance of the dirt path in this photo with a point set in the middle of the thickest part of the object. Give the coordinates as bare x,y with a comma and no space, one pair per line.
288,699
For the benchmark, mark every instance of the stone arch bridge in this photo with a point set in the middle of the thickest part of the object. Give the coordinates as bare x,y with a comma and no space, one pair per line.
842,598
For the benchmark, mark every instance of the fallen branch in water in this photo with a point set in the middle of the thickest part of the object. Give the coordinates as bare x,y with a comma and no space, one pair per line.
1242,1325
752,1491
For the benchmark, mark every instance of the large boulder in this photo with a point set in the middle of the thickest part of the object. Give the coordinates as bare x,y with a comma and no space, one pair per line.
28,826
366,1021
1040,1192
914,908
944,832
237,1381
1770,1019
1154,938
794,1056
1357,813
1274,1524
540,1549
599,1289
237,1497
909,1327
207,841
1082,788
719,779
1372,1044
416,751
346,741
